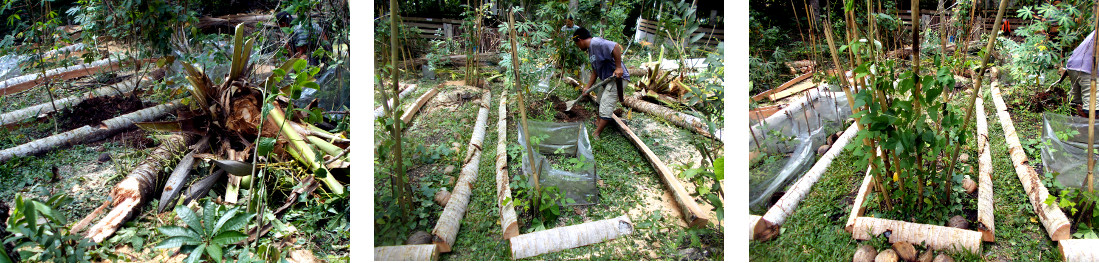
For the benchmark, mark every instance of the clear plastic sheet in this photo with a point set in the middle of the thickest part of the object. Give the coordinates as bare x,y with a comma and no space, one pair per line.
1064,148
808,122
569,140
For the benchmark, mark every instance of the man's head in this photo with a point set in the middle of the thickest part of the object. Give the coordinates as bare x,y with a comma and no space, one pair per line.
582,38
283,19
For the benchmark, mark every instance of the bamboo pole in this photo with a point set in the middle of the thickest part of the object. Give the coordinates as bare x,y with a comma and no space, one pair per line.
406,253
986,222
786,205
976,89
1091,112
446,229
401,187
523,107
1079,250
89,132
692,213
129,195
561,238
1051,216
508,218
935,237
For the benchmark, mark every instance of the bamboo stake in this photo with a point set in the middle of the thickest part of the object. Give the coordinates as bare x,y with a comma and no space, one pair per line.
1051,216
1079,250
508,218
1091,112
786,205
406,253
561,238
935,237
446,229
522,106
986,223
400,184
976,89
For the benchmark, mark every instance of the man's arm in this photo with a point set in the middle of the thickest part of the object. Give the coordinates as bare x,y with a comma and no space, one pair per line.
618,70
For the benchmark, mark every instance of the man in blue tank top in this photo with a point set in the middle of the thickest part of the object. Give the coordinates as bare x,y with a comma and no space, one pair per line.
1079,67
606,60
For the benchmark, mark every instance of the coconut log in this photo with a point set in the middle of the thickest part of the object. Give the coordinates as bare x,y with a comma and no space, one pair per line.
934,237
561,238
406,253
128,196
19,115
752,221
1051,216
508,218
692,213
679,119
412,109
25,82
985,219
456,60
380,111
446,229
1079,250
859,208
786,205
89,132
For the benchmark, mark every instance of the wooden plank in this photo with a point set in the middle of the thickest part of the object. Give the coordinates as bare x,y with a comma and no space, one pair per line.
799,87
782,87
432,20
411,111
764,112
935,237
692,213
423,26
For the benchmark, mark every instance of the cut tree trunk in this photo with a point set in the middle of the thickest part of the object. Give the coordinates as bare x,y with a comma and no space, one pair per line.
456,60
1079,250
752,221
128,196
679,119
412,109
1053,219
985,219
25,82
935,237
380,111
406,253
446,229
692,213
179,176
786,205
562,238
508,218
19,115
89,132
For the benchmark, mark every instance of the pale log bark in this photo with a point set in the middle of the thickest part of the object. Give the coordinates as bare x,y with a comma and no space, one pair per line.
692,213
411,111
508,218
786,205
406,253
859,208
446,229
380,111
986,223
89,132
680,119
561,238
1051,216
25,82
752,221
935,237
129,195
19,115
1079,250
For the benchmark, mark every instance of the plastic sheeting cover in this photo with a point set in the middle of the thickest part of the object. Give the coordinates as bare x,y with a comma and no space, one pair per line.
1063,152
808,126
570,140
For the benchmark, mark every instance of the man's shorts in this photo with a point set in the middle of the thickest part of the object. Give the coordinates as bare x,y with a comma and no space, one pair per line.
1081,87
608,99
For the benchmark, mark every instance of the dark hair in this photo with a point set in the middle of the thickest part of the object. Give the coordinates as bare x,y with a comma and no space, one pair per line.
283,17
580,34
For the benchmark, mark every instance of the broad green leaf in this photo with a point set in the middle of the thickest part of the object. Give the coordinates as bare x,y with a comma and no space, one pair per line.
265,146
188,216
215,252
177,241
228,237
196,255
174,231
237,222
225,217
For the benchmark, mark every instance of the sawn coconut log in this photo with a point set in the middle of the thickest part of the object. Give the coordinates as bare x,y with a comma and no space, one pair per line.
935,237
19,115
692,213
786,205
128,196
25,82
446,229
859,208
380,111
561,238
678,118
508,218
752,221
412,109
1051,216
986,223
89,132
406,253
1079,250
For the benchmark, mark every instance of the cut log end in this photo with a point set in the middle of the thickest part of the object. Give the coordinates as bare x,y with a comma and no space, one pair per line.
440,244
765,230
